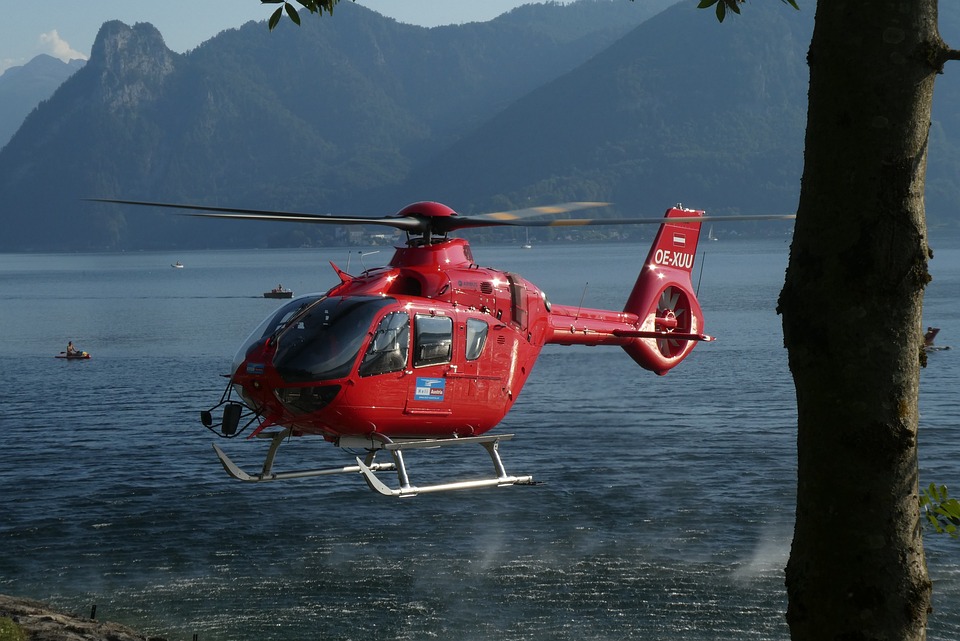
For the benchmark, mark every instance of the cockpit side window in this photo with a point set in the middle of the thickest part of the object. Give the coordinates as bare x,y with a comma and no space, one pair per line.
389,347
434,340
476,338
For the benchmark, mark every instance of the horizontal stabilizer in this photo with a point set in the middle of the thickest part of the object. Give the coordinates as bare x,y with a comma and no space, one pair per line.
678,336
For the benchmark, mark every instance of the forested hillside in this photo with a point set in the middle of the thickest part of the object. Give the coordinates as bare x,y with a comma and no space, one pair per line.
358,114
309,118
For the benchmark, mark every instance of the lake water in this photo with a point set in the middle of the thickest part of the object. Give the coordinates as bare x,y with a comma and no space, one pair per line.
666,510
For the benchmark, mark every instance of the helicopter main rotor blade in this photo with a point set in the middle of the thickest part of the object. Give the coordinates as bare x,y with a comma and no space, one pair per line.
582,222
404,223
440,224
519,214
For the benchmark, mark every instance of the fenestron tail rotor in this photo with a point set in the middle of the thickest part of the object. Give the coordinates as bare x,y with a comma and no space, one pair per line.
673,306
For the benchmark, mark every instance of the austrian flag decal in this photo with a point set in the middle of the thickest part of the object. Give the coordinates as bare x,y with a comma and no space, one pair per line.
679,239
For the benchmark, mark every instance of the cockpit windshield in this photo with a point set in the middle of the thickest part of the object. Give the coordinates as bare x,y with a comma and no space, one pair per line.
272,323
323,341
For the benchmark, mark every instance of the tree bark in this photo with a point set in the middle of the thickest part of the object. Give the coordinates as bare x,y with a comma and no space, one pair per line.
851,308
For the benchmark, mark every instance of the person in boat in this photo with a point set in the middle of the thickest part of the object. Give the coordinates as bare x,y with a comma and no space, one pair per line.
71,350
929,337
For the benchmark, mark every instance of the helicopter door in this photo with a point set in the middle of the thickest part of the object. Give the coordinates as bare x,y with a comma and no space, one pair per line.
481,383
518,301
432,354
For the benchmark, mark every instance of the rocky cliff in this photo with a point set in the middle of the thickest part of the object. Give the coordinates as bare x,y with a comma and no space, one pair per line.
22,619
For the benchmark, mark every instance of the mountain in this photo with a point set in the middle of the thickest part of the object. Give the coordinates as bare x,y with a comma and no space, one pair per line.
682,109
943,162
359,114
23,88
314,118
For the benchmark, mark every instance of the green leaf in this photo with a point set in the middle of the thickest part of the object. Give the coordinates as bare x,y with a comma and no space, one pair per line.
309,5
272,1
704,4
951,508
721,11
941,511
292,13
792,3
275,18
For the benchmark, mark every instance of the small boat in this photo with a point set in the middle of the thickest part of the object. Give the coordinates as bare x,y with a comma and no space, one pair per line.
177,265
929,337
710,235
76,356
527,245
279,292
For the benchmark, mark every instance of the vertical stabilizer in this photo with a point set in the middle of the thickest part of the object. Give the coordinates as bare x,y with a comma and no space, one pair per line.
663,297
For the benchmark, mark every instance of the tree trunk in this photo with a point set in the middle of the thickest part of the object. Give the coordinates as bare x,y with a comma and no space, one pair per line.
851,308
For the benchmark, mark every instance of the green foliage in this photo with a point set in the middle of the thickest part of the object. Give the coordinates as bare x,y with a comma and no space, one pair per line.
942,512
10,631
722,6
734,5
313,6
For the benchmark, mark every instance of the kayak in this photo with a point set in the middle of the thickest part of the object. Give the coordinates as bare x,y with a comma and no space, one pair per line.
79,356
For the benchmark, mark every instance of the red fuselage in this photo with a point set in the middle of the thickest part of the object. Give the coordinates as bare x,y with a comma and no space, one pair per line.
434,346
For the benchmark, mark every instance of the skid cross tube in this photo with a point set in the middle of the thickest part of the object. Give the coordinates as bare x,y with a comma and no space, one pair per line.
489,443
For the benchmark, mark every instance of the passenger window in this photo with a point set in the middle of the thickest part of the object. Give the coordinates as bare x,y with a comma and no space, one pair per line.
389,346
476,338
434,340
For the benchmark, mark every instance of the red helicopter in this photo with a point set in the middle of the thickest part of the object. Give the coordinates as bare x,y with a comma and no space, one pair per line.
432,349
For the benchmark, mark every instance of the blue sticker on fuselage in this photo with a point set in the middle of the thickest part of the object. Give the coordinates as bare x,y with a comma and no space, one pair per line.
429,389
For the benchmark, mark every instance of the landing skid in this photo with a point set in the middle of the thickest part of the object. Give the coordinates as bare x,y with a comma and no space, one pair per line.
267,473
490,444
368,467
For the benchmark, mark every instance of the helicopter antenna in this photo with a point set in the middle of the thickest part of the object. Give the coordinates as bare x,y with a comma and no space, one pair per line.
362,254
582,296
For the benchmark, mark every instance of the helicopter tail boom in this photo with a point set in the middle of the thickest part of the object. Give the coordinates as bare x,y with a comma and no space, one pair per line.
662,320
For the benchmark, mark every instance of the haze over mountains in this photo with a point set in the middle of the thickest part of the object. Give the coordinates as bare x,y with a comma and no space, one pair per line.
23,88
360,115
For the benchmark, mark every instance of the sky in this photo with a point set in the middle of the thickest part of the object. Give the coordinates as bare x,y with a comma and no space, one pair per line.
66,29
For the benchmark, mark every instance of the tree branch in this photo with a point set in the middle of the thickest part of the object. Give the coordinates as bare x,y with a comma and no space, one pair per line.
951,54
